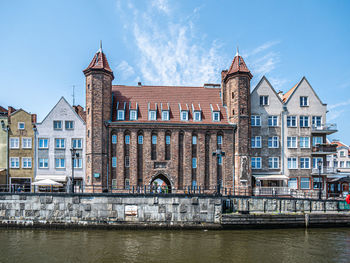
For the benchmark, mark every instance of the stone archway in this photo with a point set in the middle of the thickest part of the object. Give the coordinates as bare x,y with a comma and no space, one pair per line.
160,183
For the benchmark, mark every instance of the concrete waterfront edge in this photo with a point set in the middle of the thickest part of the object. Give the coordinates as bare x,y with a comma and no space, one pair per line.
165,211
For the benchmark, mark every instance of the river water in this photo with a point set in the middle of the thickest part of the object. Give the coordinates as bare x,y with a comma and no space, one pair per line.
287,245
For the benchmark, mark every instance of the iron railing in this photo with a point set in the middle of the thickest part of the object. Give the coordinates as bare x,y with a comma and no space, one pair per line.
272,191
331,127
325,170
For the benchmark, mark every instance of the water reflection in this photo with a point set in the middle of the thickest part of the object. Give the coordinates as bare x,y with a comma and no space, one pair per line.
292,245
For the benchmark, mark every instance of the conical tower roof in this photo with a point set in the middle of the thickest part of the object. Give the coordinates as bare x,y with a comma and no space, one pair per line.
238,66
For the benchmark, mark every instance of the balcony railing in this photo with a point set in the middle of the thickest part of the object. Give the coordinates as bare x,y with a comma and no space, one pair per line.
327,128
325,170
324,148
271,191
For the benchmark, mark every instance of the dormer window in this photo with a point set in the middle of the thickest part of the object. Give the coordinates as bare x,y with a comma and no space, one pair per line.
165,115
197,116
216,115
184,115
133,115
121,115
152,115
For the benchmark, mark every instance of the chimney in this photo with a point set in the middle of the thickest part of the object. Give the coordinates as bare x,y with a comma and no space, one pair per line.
33,118
280,94
11,110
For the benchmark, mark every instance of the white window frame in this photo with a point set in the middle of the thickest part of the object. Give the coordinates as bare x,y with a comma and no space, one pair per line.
120,115
16,161
256,142
316,121
292,119
127,161
60,143
304,142
341,154
152,115
70,125
57,122
44,140
255,120
292,163
256,163
26,143
290,142
194,139
80,163
303,161
42,162
133,115
275,162
304,101
77,140
60,163
216,116
219,139
264,100
19,126
26,163
304,120
197,115
273,121
273,142
14,143
165,115
184,115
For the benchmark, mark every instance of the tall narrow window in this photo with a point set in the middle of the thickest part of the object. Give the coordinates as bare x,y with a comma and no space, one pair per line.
114,139
140,158
167,145
154,147
127,139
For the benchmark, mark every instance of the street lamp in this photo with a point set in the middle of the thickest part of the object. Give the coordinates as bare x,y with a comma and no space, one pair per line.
74,156
319,164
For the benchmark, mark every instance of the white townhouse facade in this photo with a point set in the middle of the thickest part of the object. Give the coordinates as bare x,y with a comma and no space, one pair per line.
289,145
62,130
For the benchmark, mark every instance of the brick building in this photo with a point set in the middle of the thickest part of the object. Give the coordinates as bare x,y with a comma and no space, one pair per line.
181,137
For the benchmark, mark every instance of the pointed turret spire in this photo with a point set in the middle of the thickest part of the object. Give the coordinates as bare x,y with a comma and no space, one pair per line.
99,62
238,66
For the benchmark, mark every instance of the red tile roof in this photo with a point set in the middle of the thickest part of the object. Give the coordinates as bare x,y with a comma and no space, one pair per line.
175,96
288,93
2,109
238,66
99,62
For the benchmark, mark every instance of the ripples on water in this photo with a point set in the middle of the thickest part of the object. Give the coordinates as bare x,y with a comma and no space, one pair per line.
289,245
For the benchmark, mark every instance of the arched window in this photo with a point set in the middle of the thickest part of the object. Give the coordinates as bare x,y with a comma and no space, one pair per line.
167,145
154,146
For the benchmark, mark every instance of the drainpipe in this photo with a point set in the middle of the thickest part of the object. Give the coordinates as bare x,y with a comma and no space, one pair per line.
107,126
282,139
8,158
34,161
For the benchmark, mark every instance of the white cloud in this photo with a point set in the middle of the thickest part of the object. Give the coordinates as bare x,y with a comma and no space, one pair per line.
161,5
340,104
125,70
261,48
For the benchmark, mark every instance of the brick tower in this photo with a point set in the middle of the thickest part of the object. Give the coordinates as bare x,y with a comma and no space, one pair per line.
235,90
99,78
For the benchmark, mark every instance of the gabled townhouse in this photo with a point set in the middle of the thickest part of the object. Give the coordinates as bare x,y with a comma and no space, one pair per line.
289,145
21,132
62,130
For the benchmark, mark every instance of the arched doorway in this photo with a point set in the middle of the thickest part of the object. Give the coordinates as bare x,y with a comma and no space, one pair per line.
161,184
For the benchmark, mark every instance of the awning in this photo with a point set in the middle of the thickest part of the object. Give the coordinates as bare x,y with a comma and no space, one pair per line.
57,178
270,177
47,182
341,179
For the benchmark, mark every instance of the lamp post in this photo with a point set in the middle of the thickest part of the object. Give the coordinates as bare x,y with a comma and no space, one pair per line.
74,156
6,128
319,164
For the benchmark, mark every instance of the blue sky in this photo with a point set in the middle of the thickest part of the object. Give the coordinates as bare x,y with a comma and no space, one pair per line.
45,45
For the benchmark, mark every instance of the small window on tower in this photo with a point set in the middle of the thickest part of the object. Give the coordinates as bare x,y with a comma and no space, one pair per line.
233,95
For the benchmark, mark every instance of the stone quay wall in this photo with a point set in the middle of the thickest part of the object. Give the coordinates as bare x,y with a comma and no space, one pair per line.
164,211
